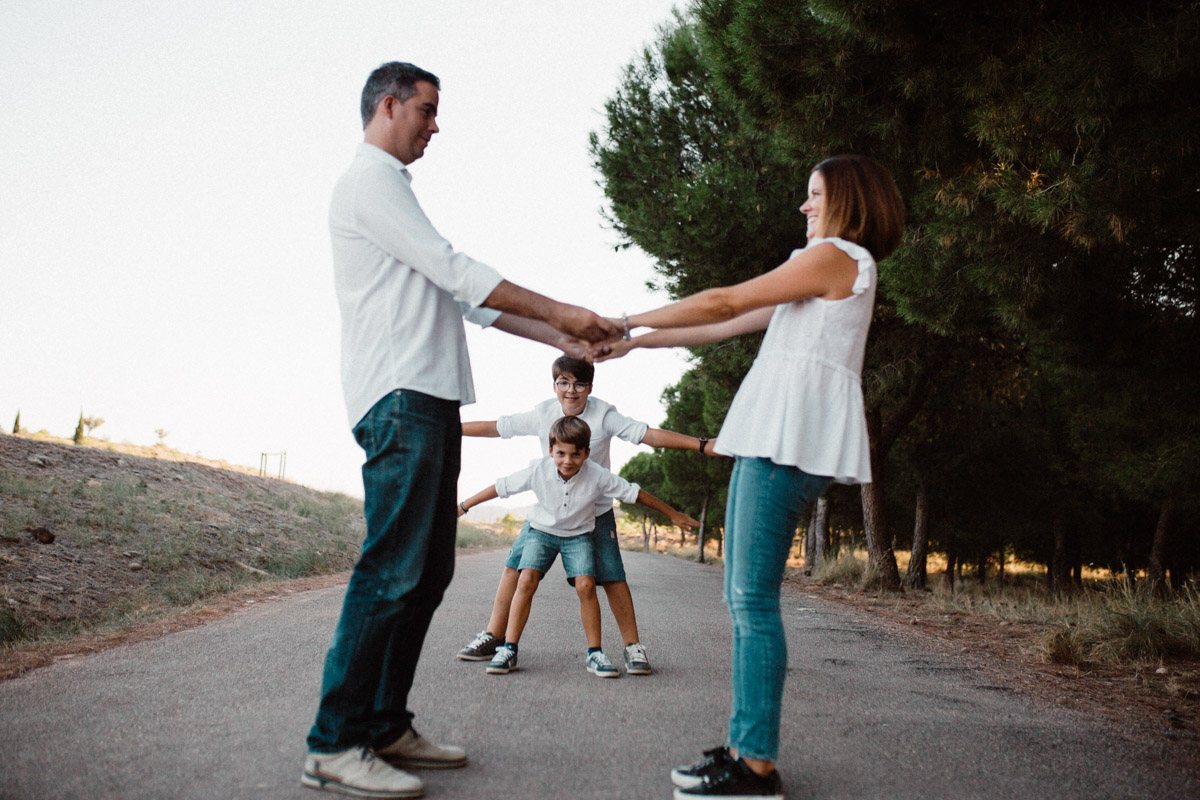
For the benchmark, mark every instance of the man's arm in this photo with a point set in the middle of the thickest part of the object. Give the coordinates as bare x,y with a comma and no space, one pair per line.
677,518
656,437
538,331
572,320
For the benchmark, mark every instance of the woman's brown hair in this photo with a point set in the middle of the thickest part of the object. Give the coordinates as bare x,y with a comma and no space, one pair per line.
862,204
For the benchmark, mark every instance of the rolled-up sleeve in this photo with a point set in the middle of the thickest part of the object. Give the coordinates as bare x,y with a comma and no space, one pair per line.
516,483
387,214
526,424
615,486
624,428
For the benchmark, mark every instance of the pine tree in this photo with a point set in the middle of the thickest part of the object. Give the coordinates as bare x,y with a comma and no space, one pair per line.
78,437
17,422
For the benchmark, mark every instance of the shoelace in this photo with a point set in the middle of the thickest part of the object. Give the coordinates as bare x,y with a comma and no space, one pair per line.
504,654
480,639
600,660
637,652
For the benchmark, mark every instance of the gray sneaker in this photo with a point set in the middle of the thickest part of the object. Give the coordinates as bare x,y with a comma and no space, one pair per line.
504,662
360,773
601,666
481,648
636,662
414,750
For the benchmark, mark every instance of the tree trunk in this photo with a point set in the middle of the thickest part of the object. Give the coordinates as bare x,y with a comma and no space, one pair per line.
951,560
820,525
810,539
1000,571
981,570
645,535
879,546
700,534
1060,568
1156,572
916,577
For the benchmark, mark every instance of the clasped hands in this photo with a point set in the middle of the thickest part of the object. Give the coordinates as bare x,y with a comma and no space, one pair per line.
612,344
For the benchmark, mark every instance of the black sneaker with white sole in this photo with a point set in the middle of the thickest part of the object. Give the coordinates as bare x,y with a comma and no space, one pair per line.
714,761
735,781
481,648
504,662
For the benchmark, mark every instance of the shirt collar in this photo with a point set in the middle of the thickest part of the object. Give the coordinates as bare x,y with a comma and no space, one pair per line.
366,150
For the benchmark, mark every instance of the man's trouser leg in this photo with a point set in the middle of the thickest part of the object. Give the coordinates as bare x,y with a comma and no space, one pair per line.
412,443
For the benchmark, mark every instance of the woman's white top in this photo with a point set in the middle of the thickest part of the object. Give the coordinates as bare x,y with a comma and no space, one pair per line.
801,403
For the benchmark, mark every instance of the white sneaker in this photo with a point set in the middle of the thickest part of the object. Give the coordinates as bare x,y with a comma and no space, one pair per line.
359,773
414,750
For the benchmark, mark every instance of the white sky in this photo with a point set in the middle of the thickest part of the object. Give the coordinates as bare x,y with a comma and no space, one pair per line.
165,171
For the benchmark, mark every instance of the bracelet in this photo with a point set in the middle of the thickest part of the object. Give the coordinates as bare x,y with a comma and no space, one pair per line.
703,443
464,508
625,322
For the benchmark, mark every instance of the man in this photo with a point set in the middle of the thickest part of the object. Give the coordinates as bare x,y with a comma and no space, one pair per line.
403,292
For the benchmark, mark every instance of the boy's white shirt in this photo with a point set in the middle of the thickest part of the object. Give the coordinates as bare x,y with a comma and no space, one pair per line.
567,508
603,418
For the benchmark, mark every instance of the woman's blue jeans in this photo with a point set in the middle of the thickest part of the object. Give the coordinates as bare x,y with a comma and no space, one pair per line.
412,443
766,502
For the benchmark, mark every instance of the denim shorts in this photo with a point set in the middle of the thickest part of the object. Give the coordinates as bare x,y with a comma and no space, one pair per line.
609,567
541,549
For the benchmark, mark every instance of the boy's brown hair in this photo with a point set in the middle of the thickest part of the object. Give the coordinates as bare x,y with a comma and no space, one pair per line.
582,370
571,430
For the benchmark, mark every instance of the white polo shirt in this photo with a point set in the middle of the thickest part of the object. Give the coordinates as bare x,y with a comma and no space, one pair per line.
401,288
567,508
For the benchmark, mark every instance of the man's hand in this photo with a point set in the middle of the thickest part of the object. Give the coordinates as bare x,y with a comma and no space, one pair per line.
586,325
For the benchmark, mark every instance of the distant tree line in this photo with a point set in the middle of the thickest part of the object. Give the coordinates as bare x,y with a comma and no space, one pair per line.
1033,371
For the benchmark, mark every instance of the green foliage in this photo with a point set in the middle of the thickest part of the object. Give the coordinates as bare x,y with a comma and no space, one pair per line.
77,438
17,423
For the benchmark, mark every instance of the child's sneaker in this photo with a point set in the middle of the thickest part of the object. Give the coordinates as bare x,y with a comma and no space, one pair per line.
733,780
636,662
601,666
714,761
504,662
358,772
481,648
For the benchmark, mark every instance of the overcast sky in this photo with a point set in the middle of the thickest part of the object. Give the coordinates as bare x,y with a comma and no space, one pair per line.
164,184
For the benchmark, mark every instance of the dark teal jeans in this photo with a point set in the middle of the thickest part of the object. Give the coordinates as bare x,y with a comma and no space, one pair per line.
412,443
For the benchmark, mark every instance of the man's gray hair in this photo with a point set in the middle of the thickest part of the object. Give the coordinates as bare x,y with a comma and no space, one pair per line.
397,78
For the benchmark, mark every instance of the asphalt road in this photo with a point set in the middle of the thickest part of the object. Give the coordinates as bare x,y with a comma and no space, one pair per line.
221,711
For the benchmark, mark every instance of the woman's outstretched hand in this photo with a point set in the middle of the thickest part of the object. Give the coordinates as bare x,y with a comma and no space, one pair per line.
614,348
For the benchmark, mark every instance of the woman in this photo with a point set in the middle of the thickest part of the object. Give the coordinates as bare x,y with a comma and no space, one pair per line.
796,425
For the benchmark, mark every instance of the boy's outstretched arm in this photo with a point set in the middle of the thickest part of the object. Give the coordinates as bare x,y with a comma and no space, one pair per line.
656,437
677,517
489,493
485,428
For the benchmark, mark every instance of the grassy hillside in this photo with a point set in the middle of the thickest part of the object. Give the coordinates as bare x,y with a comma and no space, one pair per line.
104,538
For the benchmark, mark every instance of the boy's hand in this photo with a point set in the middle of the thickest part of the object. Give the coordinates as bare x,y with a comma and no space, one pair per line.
684,521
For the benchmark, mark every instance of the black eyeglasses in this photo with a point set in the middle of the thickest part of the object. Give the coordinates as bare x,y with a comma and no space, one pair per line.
565,385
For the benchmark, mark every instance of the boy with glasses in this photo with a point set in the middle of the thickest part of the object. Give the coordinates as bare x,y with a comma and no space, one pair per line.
573,397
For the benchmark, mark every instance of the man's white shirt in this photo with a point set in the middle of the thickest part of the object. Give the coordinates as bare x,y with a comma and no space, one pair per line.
402,289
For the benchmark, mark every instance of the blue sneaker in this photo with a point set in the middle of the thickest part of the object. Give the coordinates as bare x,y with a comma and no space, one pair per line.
504,662
599,665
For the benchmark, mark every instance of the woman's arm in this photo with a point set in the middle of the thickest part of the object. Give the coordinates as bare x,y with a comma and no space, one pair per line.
489,493
484,428
824,271
692,336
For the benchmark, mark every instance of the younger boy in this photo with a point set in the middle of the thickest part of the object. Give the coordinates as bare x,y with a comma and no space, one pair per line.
573,397
567,485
